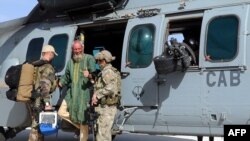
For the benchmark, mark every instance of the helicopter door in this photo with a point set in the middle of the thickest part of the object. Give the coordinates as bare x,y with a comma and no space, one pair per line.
142,38
226,31
224,43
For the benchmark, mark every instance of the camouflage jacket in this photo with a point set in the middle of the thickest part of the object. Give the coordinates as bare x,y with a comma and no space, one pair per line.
45,82
108,83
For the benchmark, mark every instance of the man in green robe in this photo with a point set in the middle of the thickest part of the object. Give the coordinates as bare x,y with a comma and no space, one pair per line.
77,78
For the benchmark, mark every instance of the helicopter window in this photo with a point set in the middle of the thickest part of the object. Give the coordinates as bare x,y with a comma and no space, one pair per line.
178,36
186,32
222,38
34,49
141,44
59,42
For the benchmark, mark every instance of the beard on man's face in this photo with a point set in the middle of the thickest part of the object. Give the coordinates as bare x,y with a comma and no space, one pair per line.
77,57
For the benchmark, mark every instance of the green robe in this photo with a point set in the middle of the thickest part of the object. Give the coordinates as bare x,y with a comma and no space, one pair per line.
78,93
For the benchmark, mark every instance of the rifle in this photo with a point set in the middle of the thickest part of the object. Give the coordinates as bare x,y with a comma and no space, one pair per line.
92,115
92,120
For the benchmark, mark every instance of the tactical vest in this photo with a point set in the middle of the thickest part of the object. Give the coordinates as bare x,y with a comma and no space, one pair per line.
113,99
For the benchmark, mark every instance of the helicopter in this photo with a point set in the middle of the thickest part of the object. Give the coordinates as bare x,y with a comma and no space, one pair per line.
184,63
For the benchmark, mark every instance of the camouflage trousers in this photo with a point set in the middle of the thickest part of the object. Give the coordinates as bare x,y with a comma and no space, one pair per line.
35,135
105,122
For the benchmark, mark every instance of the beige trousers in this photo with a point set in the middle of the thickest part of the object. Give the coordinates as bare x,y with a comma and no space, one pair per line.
84,132
64,114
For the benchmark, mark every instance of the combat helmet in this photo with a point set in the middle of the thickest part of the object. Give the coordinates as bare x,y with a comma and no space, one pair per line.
106,55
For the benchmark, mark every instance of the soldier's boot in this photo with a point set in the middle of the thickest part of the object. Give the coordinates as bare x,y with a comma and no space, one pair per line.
35,135
84,132
40,137
11,132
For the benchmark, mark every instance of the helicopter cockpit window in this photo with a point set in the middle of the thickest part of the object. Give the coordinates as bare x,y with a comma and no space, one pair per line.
60,43
34,49
222,38
141,45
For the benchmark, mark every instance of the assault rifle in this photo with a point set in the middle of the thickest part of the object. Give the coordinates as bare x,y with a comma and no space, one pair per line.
92,116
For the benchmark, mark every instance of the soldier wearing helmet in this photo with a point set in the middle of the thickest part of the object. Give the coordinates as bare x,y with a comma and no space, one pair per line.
104,56
106,95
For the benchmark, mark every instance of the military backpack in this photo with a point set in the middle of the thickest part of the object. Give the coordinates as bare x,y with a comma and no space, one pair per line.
21,79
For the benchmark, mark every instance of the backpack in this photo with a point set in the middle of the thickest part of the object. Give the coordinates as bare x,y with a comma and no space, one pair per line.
12,76
174,58
21,79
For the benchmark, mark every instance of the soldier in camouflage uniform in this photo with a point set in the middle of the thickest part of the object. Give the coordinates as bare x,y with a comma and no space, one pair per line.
45,84
106,95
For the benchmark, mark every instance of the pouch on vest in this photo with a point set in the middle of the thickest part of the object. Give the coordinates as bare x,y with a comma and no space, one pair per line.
116,97
114,100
